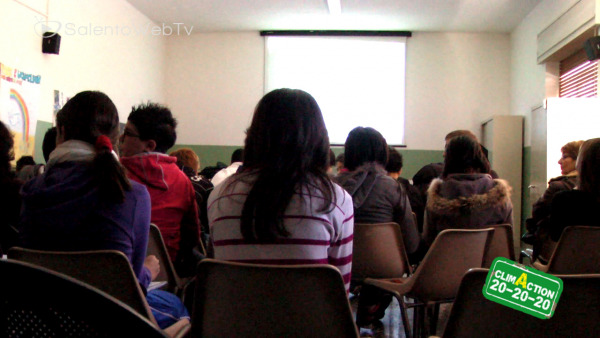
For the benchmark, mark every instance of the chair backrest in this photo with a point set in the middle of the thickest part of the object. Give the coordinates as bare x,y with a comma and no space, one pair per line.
577,313
107,270
378,251
577,251
452,253
157,247
251,300
36,302
501,245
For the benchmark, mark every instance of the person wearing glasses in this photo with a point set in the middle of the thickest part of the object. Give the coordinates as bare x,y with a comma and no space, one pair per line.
148,135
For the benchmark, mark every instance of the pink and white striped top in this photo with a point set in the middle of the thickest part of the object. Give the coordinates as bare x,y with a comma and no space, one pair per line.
315,237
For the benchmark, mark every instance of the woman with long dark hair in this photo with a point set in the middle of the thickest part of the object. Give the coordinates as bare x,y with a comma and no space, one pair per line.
466,197
282,208
84,201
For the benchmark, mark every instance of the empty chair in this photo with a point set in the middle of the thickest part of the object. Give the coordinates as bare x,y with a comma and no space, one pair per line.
37,302
576,252
501,244
437,278
378,252
250,300
577,313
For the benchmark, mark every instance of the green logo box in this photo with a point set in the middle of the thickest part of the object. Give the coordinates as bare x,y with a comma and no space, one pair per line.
522,288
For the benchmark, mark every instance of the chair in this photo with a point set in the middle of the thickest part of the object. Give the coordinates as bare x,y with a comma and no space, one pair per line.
437,278
251,300
157,247
36,302
501,244
577,313
107,270
576,252
378,252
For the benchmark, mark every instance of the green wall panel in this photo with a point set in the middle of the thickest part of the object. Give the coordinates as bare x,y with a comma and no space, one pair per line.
40,130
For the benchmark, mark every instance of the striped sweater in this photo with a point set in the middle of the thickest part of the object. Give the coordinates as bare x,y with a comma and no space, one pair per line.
315,237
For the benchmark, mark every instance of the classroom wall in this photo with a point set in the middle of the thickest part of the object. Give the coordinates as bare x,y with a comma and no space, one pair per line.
128,68
453,81
532,83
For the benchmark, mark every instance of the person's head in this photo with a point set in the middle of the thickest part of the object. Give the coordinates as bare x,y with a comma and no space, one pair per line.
150,128
92,117
186,157
237,155
287,147
455,133
588,167
364,145
49,143
6,150
339,162
23,161
569,156
464,156
394,164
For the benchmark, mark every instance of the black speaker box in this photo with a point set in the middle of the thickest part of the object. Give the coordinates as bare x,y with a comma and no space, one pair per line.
592,48
50,43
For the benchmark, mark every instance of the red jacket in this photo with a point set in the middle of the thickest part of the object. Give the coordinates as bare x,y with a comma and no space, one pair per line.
174,208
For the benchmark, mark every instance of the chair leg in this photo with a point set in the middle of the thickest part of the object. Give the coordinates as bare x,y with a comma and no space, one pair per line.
433,318
404,315
419,323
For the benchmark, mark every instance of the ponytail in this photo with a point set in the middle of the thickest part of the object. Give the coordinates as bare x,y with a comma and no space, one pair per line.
108,172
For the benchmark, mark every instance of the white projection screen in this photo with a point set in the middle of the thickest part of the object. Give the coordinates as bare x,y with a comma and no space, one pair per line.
357,81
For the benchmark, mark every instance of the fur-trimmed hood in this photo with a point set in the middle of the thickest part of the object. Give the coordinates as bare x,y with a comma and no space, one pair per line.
467,193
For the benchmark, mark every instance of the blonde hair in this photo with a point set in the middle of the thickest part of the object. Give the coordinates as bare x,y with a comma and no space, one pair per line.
187,157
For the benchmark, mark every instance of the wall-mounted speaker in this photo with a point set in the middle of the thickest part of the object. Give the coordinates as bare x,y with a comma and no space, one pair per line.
50,43
592,48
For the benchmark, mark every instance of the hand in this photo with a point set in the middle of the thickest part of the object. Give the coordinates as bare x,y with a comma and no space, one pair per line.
152,264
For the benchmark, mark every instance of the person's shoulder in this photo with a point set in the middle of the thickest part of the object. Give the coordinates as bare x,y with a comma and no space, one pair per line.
139,190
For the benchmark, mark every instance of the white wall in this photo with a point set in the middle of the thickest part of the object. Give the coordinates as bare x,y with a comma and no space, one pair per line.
453,81
528,79
127,68
213,83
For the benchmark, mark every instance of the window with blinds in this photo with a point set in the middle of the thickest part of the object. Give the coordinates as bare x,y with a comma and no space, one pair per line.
578,76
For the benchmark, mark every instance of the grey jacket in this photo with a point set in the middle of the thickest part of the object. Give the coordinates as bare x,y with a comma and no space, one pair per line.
379,198
466,201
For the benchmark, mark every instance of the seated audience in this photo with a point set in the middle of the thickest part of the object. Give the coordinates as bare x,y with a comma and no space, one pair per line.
466,196
282,208
541,208
84,201
331,163
579,206
28,169
339,163
10,200
149,133
377,197
236,162
394,170
189,163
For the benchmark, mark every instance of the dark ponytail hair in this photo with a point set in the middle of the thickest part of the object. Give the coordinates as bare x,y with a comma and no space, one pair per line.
463,156
86,117
287,149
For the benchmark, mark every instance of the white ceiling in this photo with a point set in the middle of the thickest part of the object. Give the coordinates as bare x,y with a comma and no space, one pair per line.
412,15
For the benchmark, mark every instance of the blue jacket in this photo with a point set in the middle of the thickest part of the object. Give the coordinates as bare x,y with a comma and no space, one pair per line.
61,210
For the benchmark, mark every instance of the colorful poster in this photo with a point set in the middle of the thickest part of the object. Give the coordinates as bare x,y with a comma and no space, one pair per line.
19,104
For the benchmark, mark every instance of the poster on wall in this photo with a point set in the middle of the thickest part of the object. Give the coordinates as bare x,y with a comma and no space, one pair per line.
19,104
59,101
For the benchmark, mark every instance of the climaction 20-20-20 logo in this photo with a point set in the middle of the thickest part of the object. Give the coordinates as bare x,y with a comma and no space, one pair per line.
522,288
